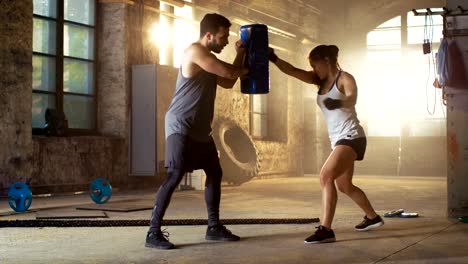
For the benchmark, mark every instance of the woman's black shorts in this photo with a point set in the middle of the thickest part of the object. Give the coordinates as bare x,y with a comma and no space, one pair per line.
358,144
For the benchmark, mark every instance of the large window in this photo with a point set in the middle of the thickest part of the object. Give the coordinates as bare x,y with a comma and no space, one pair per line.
176,30
398,96
259,116
64,62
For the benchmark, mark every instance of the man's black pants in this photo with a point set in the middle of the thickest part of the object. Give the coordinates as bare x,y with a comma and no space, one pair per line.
184,154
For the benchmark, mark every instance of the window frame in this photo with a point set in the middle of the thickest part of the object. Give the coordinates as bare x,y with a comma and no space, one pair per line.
276,124
403,48
262,115
59,65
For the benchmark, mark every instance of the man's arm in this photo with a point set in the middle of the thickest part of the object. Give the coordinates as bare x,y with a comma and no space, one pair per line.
286,67
229,83
208,62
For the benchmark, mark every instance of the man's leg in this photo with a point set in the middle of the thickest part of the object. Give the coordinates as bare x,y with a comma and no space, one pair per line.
176,146
155,238
214,173
163,198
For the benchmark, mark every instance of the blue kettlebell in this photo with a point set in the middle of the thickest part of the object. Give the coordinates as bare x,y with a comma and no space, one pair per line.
100,190
19,197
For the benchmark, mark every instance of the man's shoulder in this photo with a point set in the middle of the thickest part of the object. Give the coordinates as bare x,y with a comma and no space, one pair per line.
195,47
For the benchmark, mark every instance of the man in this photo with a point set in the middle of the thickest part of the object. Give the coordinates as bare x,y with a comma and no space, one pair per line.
189,144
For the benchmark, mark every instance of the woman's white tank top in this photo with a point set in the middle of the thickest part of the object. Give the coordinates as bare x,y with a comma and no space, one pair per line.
342,122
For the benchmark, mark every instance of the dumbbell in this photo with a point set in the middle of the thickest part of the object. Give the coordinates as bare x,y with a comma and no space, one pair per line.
100,190
19,197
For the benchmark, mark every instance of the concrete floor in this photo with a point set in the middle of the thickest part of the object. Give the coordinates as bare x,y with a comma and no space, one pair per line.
430,238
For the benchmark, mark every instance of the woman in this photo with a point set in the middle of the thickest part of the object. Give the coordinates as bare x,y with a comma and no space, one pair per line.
337,94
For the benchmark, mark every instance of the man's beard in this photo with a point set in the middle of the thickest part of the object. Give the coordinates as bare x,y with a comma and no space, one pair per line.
215,47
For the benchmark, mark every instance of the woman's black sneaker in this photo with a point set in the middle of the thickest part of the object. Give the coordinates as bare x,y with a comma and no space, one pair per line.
321,235
220,232
158,239
368,224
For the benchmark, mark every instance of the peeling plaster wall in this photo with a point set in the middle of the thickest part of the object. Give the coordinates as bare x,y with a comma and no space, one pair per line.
15,91
67,164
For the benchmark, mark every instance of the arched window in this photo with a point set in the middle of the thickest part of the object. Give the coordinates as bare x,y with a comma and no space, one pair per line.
397,95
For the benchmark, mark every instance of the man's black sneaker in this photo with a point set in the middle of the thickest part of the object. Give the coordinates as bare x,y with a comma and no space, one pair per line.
220,232
158,239
321,235
368,224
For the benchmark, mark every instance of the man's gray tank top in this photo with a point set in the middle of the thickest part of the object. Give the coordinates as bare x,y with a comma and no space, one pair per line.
192,108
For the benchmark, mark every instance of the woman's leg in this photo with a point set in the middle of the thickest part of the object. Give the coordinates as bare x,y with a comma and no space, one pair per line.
340,161
346,186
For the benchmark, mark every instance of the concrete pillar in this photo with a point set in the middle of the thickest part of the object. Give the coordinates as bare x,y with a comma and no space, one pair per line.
457,127
16,18
113,70
457,156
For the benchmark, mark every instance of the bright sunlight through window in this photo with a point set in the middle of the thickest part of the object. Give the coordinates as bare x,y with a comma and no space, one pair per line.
398,93
174,33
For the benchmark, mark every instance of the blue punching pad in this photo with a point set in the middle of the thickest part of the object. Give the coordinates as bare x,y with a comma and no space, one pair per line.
255,38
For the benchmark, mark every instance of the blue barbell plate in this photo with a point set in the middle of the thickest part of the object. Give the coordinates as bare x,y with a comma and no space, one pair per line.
19,197
100,190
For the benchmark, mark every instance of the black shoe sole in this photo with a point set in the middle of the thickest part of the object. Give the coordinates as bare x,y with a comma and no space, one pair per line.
369,227
216,238
328,240
149,245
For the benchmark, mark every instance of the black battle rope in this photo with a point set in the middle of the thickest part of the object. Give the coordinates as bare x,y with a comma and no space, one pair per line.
173,222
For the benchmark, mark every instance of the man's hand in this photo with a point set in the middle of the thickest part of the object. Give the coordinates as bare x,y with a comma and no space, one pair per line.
239,47
271,55
332,104
245,73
